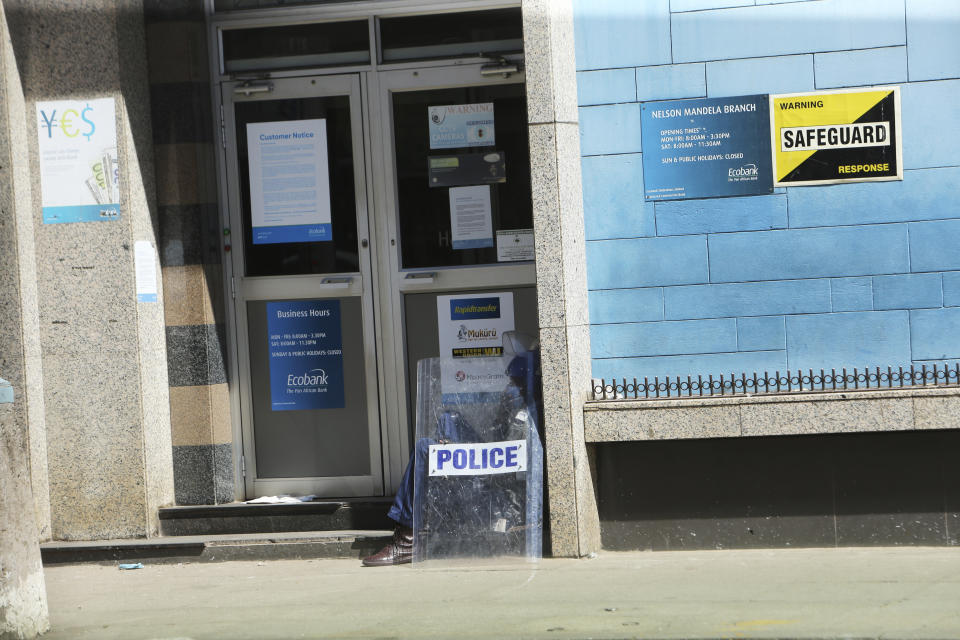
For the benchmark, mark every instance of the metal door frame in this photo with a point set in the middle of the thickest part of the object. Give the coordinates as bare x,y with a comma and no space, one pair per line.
361,284
419,280
376,81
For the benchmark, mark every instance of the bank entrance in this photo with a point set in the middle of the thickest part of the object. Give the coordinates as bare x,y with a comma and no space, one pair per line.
376,187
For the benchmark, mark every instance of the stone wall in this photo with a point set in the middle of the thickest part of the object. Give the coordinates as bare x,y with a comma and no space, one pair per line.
833,276
102,352
23,599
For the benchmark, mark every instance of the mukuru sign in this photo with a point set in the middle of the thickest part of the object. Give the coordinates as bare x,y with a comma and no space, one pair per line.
850,135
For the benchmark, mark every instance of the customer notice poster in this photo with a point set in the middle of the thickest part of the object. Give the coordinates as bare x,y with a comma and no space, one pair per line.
830,137
289,181
79,165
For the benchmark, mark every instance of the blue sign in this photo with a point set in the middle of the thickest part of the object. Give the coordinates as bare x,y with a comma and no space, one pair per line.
293,233
706,148
81,213
306,355
474,308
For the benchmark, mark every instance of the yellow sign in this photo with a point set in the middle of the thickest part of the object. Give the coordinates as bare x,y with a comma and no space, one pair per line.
850,135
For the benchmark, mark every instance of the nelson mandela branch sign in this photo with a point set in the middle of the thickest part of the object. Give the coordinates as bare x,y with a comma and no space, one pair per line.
706,148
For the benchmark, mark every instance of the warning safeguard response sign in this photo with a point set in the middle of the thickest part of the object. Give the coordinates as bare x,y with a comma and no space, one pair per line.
836,136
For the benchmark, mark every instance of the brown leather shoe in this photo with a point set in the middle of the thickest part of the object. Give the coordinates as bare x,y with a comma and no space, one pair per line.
399,551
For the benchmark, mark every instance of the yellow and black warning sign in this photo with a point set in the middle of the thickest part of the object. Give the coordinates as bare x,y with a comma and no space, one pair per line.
850,135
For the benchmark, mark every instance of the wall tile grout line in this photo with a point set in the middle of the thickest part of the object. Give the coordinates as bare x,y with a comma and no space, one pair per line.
777,229
906,37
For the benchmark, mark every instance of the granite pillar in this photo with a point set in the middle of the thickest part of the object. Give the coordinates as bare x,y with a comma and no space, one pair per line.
103,353
23,599
561,271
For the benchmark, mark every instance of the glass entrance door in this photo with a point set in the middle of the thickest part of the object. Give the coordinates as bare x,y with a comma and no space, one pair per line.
303,286
458,215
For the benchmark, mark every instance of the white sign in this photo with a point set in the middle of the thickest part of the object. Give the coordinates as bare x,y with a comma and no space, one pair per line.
145,267
515,245
481,459
473,325
289,181
469,380
471,219
454,126
79,166
470,328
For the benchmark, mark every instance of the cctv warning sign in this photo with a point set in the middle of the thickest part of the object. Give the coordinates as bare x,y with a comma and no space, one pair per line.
836,136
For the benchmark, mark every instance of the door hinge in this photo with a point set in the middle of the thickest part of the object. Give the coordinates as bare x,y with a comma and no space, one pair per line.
243,466
223,128
233,287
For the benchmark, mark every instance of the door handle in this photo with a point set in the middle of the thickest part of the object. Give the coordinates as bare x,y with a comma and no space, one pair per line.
337,283
420,277
248,87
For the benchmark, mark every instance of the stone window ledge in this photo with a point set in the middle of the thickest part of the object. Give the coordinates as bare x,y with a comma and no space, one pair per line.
772,415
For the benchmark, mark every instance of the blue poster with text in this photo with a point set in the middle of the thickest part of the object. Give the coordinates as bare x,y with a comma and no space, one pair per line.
706,148
306,355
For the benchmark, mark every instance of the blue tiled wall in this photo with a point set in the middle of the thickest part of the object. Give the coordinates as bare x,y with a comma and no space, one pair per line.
864,274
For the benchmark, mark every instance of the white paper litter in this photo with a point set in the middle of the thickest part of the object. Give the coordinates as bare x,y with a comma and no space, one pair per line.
281,499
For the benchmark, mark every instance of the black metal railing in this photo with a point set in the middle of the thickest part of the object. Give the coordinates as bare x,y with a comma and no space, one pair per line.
809,381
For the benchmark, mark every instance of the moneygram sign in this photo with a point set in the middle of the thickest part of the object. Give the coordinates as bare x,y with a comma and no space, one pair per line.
829,137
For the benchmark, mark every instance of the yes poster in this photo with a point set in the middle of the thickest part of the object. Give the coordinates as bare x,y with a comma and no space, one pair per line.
79,166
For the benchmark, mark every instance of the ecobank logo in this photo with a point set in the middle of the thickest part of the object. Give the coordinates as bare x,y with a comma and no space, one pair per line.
69,122
313,379
745,173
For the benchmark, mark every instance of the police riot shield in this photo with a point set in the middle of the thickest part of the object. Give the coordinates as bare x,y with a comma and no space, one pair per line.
478,492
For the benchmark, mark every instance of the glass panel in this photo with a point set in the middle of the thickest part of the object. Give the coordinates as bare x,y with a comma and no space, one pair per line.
245,5
422,331
296,46
341,255
293,437
425,222
451,35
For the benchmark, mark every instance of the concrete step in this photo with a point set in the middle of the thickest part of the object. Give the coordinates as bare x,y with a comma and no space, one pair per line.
239,517
219,548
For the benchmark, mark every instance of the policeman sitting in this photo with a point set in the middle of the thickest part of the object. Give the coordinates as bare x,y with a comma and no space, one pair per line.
510,423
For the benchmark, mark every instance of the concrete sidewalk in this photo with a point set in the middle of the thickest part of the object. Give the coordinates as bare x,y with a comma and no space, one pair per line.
803,593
